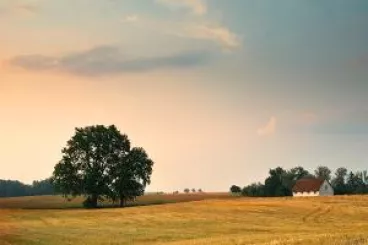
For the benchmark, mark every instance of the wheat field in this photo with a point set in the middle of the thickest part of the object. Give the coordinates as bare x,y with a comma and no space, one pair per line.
194,219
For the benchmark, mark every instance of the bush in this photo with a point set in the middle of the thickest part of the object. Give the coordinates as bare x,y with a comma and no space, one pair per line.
254,190
235,189
88,203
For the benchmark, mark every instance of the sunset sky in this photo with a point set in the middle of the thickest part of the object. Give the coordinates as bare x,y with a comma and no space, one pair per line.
216,91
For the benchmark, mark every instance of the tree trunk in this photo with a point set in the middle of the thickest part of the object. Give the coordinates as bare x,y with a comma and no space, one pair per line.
122,201
94,200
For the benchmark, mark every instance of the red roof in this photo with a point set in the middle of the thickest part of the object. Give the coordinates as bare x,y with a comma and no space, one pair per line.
308,185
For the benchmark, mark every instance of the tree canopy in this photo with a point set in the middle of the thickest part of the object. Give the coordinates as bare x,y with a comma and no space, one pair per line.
235,189
99,163
323,172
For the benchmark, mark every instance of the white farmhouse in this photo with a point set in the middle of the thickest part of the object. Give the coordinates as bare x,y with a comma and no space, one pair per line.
312,187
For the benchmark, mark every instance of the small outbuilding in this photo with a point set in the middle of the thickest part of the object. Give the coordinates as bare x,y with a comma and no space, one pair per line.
312,187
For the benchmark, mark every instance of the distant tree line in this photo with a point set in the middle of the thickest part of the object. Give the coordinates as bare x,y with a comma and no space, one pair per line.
280,182
14,188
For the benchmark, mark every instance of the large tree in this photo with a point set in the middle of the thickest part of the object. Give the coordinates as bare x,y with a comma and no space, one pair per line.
93,163
130,175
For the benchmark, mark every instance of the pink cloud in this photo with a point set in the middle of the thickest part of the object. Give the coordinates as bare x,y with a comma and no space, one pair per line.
269,128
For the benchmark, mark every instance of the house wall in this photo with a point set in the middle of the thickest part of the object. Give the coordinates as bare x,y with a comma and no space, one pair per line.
306,194
326,189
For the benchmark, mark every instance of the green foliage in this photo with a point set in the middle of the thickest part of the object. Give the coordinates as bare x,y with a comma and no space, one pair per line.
277,184
43,187
11,188
352,183
339,181
99,163
355,184
254,190
130,175
235,189
323,172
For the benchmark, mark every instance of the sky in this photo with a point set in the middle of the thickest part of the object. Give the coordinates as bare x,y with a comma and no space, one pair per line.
217,92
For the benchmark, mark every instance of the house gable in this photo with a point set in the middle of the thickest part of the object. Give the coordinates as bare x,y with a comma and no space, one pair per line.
326,189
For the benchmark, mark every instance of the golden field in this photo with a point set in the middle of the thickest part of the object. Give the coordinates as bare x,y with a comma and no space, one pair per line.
187,219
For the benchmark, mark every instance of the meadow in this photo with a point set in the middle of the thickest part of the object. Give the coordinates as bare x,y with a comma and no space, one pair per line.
187,219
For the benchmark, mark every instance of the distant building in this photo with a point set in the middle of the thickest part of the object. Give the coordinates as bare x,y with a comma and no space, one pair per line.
312,187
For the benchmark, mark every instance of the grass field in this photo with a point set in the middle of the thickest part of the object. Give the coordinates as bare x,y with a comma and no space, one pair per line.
209,219
58,202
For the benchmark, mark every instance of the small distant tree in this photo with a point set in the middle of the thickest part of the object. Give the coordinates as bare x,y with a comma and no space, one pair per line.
186,190
193,190
235,189
200,190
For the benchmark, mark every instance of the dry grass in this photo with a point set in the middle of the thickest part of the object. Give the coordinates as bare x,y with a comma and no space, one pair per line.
58,202
322,220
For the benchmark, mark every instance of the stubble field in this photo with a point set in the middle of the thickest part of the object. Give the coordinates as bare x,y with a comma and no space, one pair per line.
187,219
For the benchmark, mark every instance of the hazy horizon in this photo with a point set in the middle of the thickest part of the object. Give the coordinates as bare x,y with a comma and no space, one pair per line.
217,92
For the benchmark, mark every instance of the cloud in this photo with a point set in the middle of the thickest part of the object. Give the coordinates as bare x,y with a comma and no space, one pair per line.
212,32
197,7
130,19
201,28
26,8
107,60
219,34
19,7
269,128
